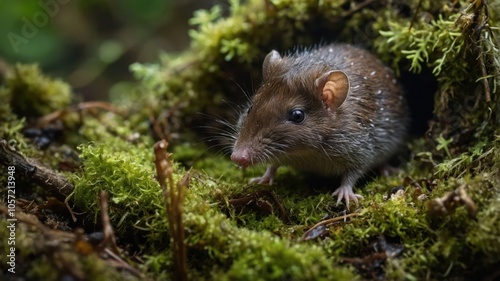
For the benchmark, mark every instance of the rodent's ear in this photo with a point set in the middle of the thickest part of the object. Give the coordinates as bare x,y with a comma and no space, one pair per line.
272,58
333,87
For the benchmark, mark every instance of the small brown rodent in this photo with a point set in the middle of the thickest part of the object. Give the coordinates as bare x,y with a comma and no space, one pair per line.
334,110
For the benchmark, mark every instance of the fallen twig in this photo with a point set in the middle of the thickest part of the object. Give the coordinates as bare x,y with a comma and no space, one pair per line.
53,182
109,234
323,225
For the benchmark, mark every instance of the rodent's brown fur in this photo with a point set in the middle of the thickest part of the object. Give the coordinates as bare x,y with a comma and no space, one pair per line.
363,132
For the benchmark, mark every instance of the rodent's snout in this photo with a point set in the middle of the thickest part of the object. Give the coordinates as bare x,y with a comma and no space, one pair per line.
241,156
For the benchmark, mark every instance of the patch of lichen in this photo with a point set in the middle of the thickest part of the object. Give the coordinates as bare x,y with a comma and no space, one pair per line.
33,94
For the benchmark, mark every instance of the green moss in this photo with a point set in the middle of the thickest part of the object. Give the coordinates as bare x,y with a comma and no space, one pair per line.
46,256
136,206
41,268
450,42
484,237
244,244
10,124
126,172
241,242
35,94
422,44
71,264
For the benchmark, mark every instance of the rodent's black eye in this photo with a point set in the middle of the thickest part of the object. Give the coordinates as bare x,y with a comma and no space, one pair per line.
296,116
249,109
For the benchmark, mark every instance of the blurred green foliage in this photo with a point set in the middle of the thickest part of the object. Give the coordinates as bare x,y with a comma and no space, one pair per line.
90,44
35,22
43,46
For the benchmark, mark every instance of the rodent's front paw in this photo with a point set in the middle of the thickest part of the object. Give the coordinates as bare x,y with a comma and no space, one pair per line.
267,177
346,193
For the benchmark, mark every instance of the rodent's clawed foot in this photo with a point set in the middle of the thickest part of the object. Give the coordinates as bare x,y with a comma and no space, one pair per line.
267,177
262,180
345,192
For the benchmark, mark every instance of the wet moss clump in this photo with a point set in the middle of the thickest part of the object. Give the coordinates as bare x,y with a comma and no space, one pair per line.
33,94
125,172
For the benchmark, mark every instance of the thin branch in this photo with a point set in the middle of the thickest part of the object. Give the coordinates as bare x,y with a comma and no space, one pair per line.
107,229
325,223
53,182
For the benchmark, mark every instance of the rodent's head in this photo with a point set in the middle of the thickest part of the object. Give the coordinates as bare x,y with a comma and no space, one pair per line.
290,112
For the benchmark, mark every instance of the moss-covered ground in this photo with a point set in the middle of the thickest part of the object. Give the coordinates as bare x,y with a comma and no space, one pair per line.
437,218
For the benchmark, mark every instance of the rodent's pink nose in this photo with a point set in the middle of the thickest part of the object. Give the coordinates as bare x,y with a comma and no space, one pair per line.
241,157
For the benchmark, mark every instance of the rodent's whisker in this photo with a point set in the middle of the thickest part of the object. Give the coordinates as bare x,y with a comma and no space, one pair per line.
245,92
